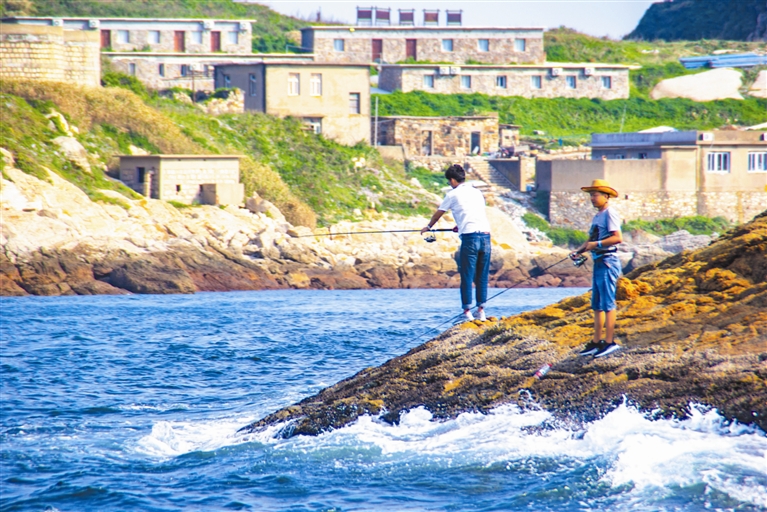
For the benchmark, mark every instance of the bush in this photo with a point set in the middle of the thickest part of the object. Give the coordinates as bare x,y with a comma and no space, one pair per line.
564,237
696,225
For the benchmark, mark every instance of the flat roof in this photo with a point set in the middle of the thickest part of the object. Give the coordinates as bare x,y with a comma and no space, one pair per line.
439,117
548,65
86,18
306,57
184,157
303,63
412,27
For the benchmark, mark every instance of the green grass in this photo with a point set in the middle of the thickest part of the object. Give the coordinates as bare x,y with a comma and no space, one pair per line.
697,225
578,118
563,237
434,182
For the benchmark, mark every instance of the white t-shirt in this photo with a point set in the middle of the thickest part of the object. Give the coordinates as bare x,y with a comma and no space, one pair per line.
468,206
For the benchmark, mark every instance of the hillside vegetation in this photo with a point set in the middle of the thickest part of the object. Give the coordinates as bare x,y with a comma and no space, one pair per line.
741,20
564,117
309,178
272,31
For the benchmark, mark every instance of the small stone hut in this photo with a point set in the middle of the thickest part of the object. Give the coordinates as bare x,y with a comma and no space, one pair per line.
438,136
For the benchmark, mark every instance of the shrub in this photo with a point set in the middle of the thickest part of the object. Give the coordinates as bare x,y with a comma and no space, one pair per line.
696,225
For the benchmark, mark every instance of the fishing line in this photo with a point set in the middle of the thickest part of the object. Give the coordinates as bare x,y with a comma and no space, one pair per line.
372,232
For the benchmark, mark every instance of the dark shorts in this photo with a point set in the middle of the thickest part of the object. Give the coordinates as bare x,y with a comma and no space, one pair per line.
607,270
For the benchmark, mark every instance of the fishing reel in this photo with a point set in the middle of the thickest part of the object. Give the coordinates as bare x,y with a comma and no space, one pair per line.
431,237
578,259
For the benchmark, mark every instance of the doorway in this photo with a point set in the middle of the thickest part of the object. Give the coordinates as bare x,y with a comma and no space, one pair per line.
426,141
410,49
179,45
476,143
377,50
215,41
106,38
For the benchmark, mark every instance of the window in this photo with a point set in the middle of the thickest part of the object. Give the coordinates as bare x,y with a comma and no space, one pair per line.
354,102
178,189
315,85
536,82
233,37
294,84
643,156
466,82
252,84
757,162
338,45
718,162
484,45
520,45
572,83
154,37
607,82
227,81
500,81
447,45
184,70
123,36
161,70
314,124
196,37
428,81
132,69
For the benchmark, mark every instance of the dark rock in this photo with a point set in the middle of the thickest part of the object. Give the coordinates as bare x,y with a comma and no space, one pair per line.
143,276
382,277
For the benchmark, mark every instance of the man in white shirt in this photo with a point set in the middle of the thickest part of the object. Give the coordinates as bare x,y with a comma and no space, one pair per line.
468,207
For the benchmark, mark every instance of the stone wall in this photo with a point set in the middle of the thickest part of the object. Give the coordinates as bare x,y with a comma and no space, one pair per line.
46,53
358,44
178,178
518,170
507,80
446,136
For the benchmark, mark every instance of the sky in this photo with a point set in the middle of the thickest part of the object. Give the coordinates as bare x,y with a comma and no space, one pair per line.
612,18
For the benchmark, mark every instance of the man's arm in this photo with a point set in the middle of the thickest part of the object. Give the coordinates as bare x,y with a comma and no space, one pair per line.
434,218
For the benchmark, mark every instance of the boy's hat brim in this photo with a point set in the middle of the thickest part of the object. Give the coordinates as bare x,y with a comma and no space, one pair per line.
601,186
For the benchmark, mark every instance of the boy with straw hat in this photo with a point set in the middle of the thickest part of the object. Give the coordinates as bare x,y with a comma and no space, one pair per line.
604,236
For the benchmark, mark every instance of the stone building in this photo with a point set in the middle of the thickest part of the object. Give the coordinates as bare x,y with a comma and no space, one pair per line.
439,136
49,53
552,80
188,179
457,45
333,99
164,53
662,175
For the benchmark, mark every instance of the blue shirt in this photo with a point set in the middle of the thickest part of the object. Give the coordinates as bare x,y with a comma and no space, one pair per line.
602,226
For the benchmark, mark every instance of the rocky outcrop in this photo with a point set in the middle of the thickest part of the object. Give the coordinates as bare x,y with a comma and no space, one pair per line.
693,329
717,84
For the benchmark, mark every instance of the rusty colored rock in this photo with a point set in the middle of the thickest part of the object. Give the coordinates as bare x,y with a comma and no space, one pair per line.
693,329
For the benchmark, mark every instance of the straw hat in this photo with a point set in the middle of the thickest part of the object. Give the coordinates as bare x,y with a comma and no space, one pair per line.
601,186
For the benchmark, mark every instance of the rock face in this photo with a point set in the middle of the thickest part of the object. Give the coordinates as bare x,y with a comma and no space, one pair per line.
717,84
693,329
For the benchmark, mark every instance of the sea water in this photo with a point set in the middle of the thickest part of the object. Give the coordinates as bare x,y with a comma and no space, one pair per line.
132,403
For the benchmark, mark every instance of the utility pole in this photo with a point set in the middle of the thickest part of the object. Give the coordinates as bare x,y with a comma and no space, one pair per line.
375,129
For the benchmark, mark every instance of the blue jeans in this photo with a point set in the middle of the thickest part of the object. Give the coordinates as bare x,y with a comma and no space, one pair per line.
474,266
607,270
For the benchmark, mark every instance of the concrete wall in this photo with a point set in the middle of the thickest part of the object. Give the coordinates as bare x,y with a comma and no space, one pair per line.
518,170
223,193
358,45
180,178
519,80
48,53
332,106
449,136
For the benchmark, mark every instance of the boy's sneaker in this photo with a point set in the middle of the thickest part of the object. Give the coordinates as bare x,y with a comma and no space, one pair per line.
607,348
467,316
591,348
482,316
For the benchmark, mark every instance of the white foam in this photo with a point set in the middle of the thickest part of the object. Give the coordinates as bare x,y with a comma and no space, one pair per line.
639,453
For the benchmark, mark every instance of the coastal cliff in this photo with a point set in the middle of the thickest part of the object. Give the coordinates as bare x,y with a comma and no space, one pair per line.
693,329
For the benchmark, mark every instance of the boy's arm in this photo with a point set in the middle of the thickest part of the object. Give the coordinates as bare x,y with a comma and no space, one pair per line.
615,238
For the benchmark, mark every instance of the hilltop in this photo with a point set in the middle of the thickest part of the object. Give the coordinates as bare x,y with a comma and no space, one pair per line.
693,329
739,20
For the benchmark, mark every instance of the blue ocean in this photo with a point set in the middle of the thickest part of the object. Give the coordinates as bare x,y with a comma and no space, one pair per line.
132,403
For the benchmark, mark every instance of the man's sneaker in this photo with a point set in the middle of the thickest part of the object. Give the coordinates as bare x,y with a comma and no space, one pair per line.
482,316
467,316
608,348
591,348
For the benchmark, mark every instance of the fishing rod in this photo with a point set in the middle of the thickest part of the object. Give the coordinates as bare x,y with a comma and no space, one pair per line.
579,261
372,232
